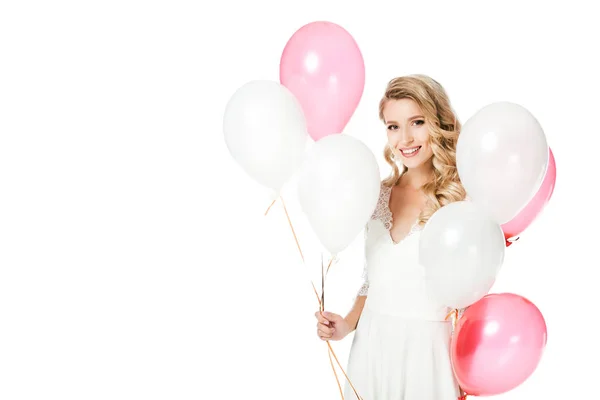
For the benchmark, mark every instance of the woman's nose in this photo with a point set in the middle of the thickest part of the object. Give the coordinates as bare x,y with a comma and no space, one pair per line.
402,138
405,137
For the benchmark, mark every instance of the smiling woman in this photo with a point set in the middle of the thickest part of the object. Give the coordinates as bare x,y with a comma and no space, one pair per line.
401,346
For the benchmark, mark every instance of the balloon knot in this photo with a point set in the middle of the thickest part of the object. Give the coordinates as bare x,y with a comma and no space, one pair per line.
512,240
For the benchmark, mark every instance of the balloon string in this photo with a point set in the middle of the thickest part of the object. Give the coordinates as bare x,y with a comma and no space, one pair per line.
323,276
347,378
313,286
266,212
292,228
321,301
298,245
321,304
336,375
455,319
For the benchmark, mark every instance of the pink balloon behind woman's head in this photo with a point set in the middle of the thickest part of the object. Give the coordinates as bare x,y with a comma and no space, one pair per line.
498,344
323,67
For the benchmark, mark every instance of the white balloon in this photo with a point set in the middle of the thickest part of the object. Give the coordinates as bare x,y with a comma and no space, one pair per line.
265,132
338,189
462,250
501,157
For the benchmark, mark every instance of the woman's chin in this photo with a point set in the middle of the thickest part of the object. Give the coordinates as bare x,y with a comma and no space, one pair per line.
412,163
417,162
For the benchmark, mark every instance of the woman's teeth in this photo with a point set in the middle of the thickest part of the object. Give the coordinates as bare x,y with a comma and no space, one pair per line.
411,151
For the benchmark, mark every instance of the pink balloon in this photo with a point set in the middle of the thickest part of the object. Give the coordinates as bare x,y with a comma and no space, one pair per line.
323,67
498,344
535,206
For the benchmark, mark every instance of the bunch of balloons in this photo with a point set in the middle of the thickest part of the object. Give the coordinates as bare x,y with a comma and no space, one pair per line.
268,124
508,171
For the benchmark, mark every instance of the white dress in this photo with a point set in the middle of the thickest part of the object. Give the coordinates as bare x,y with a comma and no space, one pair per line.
401,345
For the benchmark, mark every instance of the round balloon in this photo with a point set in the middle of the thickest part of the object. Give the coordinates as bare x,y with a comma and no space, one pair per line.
265,132
497,344
501,157
462,250
324,68
338,189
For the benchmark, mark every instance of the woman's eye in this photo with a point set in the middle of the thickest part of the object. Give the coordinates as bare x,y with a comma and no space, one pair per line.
392,127
419,122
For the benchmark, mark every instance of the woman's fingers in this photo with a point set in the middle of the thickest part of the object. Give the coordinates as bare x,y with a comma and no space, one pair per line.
324,335
321,318
325,329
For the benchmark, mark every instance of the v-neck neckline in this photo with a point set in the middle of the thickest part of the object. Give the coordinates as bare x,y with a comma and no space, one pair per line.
413,227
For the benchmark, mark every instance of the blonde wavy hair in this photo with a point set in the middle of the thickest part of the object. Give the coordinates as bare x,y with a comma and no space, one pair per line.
445,186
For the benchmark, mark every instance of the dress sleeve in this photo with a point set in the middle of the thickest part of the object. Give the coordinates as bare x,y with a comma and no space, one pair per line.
382,212
364,289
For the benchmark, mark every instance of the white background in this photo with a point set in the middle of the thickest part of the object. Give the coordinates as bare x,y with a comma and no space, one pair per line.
135,260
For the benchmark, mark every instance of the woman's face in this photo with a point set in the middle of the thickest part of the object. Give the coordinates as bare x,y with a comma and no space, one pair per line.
407,132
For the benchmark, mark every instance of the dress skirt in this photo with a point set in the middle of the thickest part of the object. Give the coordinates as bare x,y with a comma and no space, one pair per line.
398,358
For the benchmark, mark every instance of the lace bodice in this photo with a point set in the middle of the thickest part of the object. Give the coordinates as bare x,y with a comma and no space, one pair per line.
382,214
382,211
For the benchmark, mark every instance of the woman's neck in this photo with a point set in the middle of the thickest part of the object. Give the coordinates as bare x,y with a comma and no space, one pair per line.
418,177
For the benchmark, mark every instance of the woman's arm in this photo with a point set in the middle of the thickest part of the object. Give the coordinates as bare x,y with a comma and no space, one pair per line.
354,315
